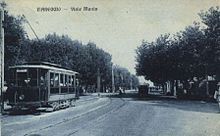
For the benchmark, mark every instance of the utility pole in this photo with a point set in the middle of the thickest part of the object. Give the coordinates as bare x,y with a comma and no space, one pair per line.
98,81
207,85
113,79
2,56
207,81
131,84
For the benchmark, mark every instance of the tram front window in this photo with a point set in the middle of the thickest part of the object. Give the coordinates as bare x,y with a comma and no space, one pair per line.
26,77
32,75
21,77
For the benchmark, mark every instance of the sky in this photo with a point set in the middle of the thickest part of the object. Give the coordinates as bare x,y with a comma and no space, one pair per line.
118,27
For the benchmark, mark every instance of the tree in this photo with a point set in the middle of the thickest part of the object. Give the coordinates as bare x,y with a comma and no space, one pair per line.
135,81
14,37
191,46
123,78
193,52
85,59
152,59
211,53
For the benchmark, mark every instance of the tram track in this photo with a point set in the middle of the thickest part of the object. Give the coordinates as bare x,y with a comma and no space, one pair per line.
43,113
100,117
21,124
66,120
101,112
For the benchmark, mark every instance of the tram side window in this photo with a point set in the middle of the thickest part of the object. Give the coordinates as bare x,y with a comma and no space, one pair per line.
43,78
61,80
73,82
70,81
56,80
66,80
54,83
51,79
64,88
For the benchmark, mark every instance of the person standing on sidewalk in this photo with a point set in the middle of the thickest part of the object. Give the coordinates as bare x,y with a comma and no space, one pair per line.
217,94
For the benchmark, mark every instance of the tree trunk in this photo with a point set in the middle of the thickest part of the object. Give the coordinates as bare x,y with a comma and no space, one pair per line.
176,87
172,87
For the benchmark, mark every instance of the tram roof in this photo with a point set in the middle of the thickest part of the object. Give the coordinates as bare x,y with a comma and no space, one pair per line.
45,65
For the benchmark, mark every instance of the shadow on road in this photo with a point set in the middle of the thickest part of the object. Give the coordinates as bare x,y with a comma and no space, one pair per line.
172,102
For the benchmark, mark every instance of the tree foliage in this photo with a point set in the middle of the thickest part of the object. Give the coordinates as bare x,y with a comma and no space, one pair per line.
14,36
86,59
123,78
89,60
193,52
211,55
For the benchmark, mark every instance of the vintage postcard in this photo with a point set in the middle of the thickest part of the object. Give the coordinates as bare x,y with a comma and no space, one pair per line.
110,68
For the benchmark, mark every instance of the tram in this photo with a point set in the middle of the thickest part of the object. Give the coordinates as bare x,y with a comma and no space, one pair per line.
143,90
42,84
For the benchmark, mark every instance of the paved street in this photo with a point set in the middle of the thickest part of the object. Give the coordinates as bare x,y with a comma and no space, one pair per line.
120,117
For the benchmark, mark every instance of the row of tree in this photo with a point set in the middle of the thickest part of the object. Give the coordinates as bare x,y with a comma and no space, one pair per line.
193,52
123,78
89,60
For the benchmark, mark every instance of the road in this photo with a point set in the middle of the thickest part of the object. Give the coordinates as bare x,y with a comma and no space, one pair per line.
120,117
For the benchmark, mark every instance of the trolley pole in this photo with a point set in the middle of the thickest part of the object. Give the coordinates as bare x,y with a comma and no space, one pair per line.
2,56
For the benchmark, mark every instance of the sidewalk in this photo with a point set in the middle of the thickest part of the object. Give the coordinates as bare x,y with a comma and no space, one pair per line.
101,94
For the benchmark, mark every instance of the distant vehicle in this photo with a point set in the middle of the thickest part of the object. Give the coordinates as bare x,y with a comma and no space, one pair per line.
143,90
41,84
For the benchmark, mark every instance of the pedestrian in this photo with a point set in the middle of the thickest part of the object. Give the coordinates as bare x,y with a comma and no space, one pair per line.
120,90
217,94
